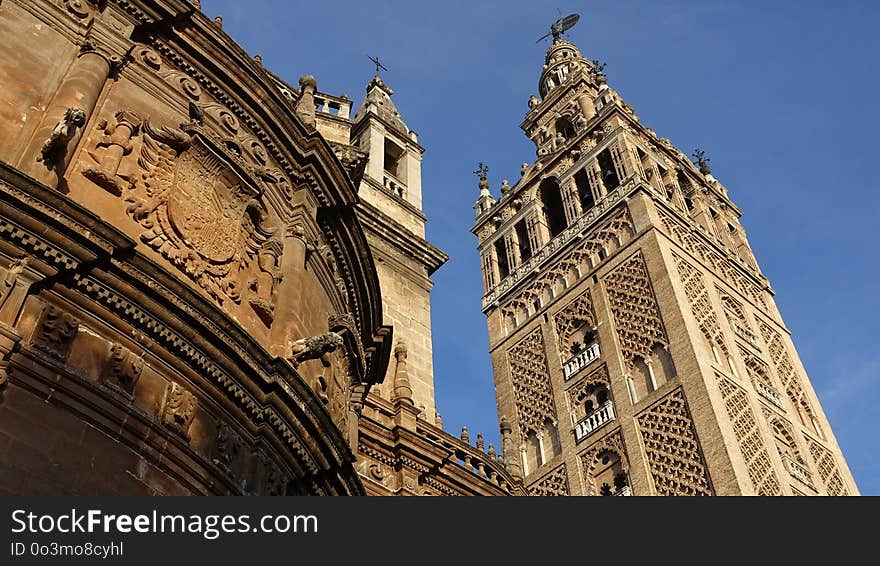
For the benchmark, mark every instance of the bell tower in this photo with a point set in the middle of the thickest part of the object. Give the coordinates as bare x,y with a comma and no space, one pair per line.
635,343
391,212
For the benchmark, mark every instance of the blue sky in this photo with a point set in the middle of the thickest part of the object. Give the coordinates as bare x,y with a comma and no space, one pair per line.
781,95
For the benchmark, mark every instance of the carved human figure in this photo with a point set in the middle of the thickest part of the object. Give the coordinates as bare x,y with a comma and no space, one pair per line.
12,273
264,283
54,147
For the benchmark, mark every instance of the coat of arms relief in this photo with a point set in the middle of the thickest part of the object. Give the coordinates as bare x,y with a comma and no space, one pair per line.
199,204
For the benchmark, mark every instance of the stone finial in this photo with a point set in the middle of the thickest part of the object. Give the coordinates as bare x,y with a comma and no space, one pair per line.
219,21
523,168
258,59
402,388
465,435
438,422
505,186
534,101
492,453
481,445
305,106
506,429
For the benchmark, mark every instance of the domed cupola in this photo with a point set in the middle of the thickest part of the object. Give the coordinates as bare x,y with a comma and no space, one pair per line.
563,60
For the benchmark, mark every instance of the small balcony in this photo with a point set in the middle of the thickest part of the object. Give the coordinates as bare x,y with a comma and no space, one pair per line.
798,470
625,491
743,332
594,421
587,356
393,185
768,393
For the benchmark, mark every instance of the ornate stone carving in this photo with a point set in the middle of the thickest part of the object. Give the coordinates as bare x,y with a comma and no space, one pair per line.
198,203
701,305
271,477
634,309
55,332
590,460
13,270
553,484
751,442
725,267
179,409
123,369
79,8
230,451
314,347
827,468
788,376
531,383
570,268
573,316
264,283
675,457
579,392
109,151
56,145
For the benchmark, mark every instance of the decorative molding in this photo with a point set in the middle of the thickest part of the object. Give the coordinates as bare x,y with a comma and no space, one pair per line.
673,450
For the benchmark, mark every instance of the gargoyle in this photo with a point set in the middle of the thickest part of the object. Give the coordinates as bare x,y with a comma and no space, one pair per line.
314,347
63,132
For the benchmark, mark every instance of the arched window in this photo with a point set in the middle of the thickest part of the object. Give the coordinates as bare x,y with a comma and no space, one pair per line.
554,212
564,127
584,192
609,476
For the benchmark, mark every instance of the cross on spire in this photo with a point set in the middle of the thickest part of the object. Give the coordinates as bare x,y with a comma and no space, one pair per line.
481,171
378,64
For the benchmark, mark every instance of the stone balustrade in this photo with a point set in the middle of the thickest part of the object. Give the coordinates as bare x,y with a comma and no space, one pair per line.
769,393
339,106
798,470
596,419
462,454
587,356
743,331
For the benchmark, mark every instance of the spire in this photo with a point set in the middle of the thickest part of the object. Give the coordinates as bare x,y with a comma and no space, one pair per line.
485,201
378,103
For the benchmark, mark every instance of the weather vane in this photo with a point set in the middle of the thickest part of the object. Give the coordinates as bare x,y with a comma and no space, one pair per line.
481,170
560,26
376,62
702,161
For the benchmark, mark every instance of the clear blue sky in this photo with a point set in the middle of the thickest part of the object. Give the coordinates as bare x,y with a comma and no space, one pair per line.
782,96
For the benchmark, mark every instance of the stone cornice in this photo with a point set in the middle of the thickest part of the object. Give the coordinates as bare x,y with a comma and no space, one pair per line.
398,236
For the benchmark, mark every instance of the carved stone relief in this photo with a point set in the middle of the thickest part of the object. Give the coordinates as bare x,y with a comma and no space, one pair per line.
55,332
179,409
122,369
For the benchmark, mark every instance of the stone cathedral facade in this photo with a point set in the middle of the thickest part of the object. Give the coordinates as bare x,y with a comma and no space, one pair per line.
636,346
211,281
215,282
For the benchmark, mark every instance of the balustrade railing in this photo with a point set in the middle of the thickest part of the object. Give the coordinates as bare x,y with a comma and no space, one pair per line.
587,356
589,424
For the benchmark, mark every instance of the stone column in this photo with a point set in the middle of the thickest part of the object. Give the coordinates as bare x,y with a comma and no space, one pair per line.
571,202
287,311
80,89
